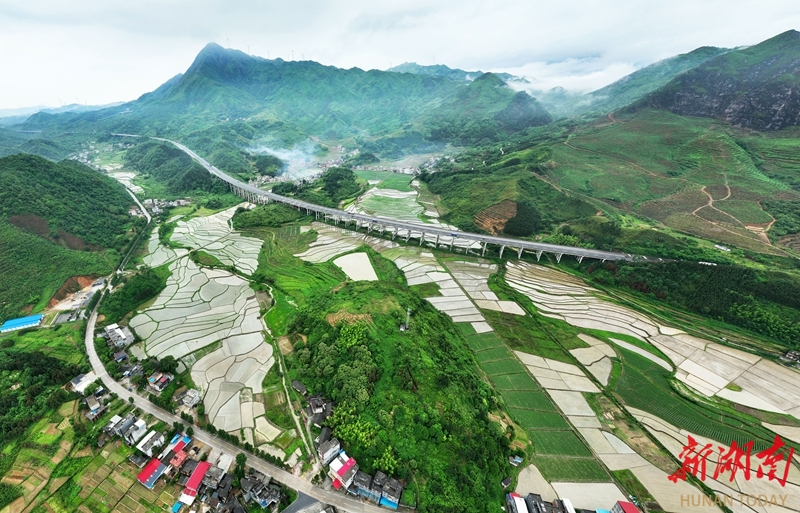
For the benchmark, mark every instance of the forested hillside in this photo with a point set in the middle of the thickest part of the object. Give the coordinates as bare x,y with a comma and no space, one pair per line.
32,269
227,101
57,220
410,404
171,167
65,200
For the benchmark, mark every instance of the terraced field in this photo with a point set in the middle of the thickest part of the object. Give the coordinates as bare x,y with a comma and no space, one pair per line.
534,411
674,169
493,219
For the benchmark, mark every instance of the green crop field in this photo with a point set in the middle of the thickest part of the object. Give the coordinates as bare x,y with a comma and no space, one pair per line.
520,381
564,443
747,212
642,384
492,354
536,420
388,179
479,341
557,468
277,263
529,400
508,366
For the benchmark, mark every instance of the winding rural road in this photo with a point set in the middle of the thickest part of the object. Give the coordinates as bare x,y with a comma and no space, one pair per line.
340,501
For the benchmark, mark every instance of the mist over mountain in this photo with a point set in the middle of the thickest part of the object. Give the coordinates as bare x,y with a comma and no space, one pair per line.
756,87
440,70
628,89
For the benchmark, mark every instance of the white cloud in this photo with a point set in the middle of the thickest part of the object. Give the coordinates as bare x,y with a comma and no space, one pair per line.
103,50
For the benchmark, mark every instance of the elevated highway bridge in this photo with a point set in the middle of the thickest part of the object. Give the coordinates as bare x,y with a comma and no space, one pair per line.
418,231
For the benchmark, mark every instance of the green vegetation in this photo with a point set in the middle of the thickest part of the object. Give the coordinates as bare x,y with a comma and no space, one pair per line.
629,88
278,266
485,110
167,164
767,302
63,214
132,292
336,184
204,259
632,485
34,269
66,202
387,386
529,406
644,385
63,342
30,386
272,215
8,494
388,180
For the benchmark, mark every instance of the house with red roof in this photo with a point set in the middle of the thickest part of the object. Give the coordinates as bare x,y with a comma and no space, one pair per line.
624,507
343,471
151,472
193,484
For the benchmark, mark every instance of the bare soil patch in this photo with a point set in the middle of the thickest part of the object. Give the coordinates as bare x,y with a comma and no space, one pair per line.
285,345
39,226
790,241
350,318
494,218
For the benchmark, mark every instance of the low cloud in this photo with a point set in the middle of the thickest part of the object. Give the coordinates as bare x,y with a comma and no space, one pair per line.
574,75
299,159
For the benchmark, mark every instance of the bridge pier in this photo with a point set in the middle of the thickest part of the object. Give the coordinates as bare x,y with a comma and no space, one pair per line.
408,236
519,254
436,244
422,238
502,248
452,240
394,233
558,257
539,255
580,258
483,251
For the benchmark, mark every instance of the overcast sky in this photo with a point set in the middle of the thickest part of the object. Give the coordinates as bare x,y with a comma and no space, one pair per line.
99,51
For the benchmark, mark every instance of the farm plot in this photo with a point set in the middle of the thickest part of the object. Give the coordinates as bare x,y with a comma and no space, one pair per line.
418,265
675,439
392,203
596,358
404,206
158,255
554,375
706,367
474,279
125,178
357,266
644,386
199,307
214,235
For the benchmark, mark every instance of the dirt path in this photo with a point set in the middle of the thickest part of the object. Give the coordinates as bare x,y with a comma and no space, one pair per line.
710,203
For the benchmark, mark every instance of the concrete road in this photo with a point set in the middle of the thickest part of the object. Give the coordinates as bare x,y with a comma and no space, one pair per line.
449,235
338,500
